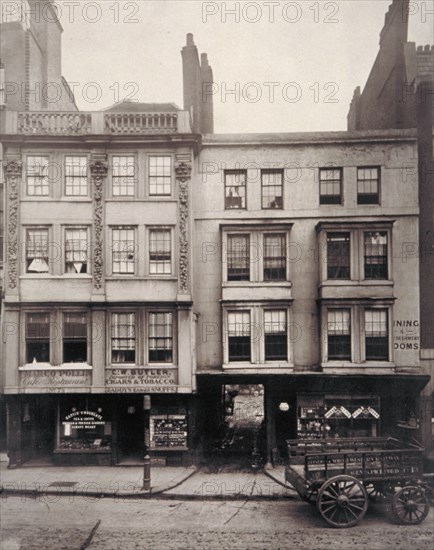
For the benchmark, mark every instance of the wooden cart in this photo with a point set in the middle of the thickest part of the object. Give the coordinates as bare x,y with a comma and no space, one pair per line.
342,475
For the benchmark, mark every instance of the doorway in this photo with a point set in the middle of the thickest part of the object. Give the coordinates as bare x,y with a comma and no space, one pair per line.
130,431
242,438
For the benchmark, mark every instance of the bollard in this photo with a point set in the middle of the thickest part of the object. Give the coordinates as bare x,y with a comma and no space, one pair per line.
147,473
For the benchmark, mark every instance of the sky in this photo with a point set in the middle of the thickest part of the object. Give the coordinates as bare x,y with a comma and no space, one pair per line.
284,66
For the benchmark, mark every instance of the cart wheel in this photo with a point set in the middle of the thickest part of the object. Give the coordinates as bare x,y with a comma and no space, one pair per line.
342,501
410,505
378,492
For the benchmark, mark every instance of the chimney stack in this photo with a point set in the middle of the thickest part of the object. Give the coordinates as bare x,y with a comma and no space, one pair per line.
195,76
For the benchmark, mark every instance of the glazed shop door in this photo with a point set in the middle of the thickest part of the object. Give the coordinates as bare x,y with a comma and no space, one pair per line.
130,430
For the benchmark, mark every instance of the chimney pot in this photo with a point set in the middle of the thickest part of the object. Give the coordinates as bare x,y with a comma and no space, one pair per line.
204,60
190,40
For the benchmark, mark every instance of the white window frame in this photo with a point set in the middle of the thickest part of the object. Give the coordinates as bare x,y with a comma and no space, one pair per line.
67,228
49,175
357,251
357,320
26,230
257,250
111,176
86,313
80,195
257,335
162,196
112,251
149,230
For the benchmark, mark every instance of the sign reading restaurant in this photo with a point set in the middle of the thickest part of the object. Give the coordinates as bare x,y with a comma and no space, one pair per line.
141,380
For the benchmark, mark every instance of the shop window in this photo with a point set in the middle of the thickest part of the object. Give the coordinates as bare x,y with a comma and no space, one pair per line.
37,176
123,338
37,251
160,176
160,338
76,183
376,335
338,255
276,338
272,189
274,257
235,189
75,250
123,176
123,251
339,334
330,180
375,253
75,338
368,185
160,252
239,338
238,258
38,338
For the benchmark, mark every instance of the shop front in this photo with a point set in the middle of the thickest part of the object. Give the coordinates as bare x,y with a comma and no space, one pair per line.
322,406
99,430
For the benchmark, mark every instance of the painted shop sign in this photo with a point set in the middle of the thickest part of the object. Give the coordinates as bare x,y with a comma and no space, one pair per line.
141,380
80,420
406,334
54,379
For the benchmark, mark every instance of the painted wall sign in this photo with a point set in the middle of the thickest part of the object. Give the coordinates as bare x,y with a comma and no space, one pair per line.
406,334
141,380
81,420
55,379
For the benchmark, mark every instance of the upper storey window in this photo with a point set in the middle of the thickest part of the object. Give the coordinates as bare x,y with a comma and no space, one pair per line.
123,251
338,255
330,181
375,254
160,176
37,250
238,258
123,176
272,189
235,189
274,257
368,185
76,184
37,176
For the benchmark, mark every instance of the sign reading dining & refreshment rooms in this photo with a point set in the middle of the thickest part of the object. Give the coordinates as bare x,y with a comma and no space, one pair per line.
141,380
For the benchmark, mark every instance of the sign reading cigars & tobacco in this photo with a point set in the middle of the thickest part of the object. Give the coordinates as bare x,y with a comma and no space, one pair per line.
134,380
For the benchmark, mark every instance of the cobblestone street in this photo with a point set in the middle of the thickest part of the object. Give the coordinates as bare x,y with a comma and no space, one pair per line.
53,523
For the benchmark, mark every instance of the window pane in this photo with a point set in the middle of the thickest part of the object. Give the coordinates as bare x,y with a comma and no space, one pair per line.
123,337
160,252
239,336
37,176
274,257
160,338
235,189
238,258
123,176
76,176
376,335
339,334
338,255
160,175
330,185
37,251
272,189
74,338
123,251
368,182
275,331
38,337
376,255
76,250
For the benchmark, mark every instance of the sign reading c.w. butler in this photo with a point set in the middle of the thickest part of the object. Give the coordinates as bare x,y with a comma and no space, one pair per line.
141,380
